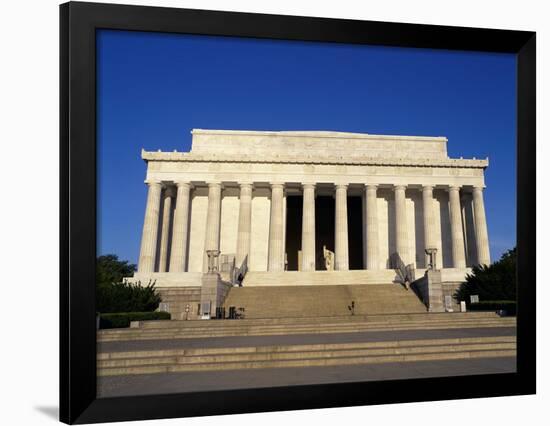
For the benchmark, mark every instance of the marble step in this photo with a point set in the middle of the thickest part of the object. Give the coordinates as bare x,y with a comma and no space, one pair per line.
203,359
324,320
228,325
130,334
328,322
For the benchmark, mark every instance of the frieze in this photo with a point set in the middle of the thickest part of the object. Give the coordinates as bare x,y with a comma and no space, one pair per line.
329,171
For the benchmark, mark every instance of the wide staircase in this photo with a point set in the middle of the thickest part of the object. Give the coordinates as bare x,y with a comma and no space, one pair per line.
303,326
313,355
173,330
212,345
323,300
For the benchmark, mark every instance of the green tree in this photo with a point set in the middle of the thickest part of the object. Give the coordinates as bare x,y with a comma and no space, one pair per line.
126,297
114,296
494,282
109,269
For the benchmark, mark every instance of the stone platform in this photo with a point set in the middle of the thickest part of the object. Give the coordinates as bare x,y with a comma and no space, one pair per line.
319,278
295,278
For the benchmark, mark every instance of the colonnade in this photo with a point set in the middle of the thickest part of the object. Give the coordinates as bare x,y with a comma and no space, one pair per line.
276,257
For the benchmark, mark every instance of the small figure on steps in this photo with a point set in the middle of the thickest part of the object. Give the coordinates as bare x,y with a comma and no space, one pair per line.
352,307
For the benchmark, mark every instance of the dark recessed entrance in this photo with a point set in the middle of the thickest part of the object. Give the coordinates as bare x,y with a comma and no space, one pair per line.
293,230
324,230
355,232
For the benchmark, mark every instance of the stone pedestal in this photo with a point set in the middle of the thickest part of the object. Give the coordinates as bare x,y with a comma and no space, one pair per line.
213,292
430,290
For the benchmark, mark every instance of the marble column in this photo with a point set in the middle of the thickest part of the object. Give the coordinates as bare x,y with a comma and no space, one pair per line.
482,238
243,232
276,231
429,220
180,228
212,235
457,235
401,234
165,230
341,255
308,228
150,228
371,221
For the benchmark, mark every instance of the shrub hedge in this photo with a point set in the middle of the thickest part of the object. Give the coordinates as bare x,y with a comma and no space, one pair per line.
494,282
126,297
494,305
122,320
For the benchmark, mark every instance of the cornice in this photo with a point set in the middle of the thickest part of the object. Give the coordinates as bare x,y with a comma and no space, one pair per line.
279,159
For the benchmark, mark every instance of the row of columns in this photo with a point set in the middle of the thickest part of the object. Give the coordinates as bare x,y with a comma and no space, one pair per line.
178,249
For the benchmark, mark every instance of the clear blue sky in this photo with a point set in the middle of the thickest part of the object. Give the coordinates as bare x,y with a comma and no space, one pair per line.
154,88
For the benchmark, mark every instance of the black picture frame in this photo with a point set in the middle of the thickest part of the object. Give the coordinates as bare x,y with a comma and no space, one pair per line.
78,25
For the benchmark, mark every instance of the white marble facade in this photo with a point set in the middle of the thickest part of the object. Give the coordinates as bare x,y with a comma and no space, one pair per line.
230,193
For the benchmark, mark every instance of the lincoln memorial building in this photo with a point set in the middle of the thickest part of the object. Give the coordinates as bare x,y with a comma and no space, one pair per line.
311,208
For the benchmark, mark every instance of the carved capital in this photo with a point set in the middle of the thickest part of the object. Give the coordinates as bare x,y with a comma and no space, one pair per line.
153,182
215,185
182,184
169,191
277,185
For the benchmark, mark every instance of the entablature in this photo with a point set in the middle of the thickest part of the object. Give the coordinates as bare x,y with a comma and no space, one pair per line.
189,157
